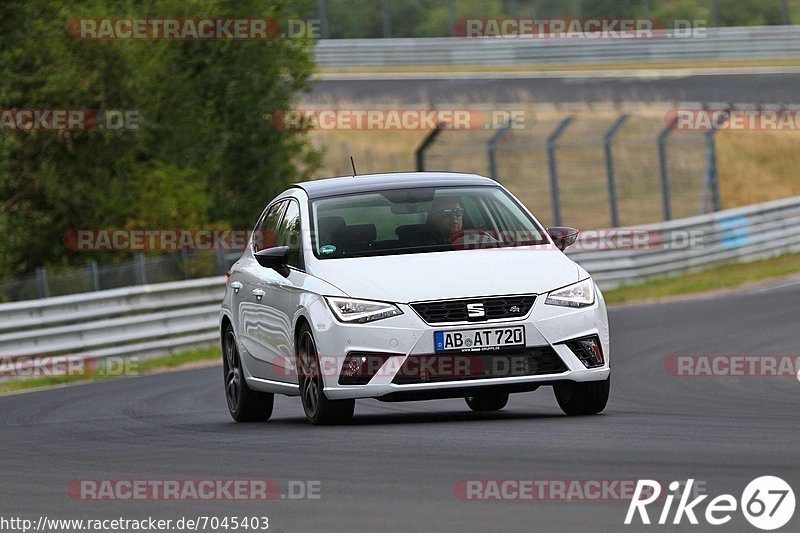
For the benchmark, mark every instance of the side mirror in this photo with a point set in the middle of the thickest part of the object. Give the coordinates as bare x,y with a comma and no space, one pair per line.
274,258
562,236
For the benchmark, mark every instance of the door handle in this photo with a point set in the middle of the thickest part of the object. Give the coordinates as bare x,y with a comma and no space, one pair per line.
258,293
236,285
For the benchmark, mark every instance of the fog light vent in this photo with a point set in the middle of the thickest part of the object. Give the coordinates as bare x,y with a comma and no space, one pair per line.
359,368
588,350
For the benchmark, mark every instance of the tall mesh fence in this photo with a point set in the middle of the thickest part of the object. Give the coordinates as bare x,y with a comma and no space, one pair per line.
576,163
138,271
524,161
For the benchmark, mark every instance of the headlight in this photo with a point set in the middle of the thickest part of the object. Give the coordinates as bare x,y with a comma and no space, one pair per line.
361,311
578,294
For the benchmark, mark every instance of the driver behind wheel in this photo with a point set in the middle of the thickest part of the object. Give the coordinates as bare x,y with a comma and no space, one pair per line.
445,220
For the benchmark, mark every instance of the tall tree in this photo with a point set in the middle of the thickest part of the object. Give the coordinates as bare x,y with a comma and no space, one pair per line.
203,143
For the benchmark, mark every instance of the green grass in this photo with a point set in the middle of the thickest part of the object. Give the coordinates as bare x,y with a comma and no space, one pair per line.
722,277
147,366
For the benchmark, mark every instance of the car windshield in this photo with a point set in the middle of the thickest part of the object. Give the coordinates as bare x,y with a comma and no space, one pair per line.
420,220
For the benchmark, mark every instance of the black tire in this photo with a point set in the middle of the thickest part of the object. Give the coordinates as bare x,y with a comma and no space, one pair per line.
244,404
487,401
319,410
584,398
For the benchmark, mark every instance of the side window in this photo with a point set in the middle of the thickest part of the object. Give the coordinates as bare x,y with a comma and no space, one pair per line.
290,235
474,213
266,232
511,226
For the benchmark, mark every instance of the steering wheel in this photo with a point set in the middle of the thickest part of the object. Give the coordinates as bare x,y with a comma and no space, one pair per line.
466,239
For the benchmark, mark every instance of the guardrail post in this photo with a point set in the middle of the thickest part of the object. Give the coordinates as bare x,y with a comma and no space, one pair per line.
491,148
139,268
426,143
42,288
551,158
662,163
612,183
95,275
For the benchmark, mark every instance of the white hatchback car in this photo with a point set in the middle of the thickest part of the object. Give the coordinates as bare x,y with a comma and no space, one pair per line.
409,286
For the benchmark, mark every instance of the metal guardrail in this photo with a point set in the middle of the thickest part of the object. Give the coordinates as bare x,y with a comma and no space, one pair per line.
734,235
155,319
751,42
142,320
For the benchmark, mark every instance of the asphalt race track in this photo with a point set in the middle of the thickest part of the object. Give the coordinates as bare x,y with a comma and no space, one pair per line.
395,467
739,87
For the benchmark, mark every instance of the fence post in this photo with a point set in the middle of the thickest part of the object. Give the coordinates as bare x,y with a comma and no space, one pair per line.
551,158
426,143
323,17
347,168
711,179
95,275
612,183
491,148
662,162
386,20
451,18
139,268
42,288
185,263
222,260
369,165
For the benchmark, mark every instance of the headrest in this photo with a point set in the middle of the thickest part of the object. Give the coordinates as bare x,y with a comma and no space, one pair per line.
410,231
356,233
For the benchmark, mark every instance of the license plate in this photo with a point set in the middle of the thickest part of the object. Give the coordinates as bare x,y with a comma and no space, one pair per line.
479,340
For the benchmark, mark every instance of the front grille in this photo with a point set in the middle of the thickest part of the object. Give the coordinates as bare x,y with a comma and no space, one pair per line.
494,308
533,361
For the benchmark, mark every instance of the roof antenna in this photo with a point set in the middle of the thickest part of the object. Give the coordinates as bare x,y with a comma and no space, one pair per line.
354,166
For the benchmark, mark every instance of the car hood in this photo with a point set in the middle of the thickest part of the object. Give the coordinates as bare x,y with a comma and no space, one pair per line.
441,275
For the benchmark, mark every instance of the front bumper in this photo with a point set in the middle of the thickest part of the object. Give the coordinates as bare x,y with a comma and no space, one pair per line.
405,337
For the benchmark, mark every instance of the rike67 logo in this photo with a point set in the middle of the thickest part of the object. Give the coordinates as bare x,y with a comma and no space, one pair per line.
767,503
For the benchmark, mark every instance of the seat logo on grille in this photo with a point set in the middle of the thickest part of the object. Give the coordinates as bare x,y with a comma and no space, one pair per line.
475,310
